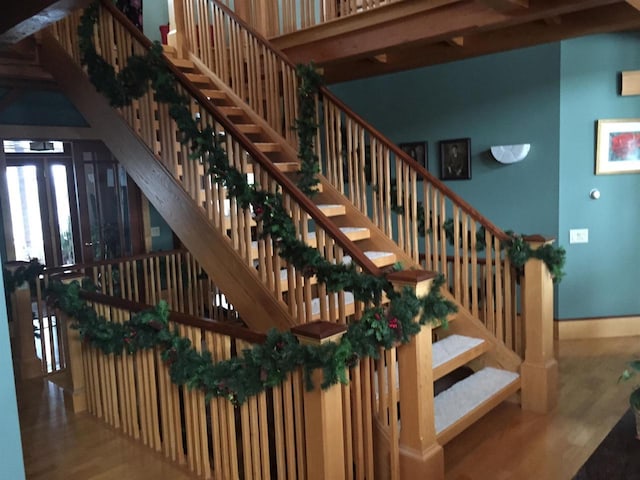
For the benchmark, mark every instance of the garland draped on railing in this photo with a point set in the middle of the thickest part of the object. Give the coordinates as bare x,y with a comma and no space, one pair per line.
262,366
24,273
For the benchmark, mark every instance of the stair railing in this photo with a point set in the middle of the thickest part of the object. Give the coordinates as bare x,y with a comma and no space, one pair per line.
426,219
289,16
116,39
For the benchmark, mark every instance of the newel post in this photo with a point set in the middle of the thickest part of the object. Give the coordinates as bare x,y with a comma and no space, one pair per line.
28,363
75,395
176,35
421,456
539,371
323,415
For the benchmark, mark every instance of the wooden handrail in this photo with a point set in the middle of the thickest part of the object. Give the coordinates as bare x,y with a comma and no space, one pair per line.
182,318
99,263
420,170
287,185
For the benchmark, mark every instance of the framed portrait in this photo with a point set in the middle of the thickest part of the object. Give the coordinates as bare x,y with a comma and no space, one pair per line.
455,159
417,151
618,146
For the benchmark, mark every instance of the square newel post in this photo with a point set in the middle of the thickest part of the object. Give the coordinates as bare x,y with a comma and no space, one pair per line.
323,416
176,35
75,395
539,371
28,365
421,456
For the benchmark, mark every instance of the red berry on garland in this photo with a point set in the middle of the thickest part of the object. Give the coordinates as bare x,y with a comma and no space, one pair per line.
280,345
393,323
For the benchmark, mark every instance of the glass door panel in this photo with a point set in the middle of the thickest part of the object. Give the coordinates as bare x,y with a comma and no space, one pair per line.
24,202
59,176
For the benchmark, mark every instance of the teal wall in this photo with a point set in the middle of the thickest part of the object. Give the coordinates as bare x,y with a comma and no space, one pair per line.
603,276
549,96
490,100
165,240
10,444
154,14
42,108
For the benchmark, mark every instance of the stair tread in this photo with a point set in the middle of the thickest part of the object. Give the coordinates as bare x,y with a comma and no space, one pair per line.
450,347
470,395
380,259
332,210
183,63
211,93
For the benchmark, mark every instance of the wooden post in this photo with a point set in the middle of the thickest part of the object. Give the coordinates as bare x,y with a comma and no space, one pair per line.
75,396
539,371
420,454
176,37
323,415
29,365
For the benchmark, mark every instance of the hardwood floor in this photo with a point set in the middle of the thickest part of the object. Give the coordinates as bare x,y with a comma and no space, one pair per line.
506,444
511,444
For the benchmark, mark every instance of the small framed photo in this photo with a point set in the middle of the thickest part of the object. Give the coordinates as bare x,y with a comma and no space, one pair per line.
618,146
417,151
455,159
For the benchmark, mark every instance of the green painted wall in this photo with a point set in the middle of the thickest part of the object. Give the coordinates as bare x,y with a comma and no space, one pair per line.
10,444
495,100
154,14
164,241
42,108
603,276
549,96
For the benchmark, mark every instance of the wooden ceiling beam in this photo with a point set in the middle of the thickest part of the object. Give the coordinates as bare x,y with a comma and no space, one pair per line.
505,5
23,18
611,18
430,26
634,3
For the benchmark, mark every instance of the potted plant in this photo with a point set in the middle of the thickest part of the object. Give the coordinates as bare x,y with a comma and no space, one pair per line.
634,398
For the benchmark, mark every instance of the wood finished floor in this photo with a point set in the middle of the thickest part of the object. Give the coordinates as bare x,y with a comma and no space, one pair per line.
506,444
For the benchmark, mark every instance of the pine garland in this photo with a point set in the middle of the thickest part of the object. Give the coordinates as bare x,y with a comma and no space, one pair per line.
258,368
24,273
309,81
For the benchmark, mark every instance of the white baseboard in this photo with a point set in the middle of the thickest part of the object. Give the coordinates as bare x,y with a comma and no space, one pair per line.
597,328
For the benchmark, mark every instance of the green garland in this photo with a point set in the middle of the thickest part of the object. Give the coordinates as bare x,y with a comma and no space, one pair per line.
24,273
263,366
309,82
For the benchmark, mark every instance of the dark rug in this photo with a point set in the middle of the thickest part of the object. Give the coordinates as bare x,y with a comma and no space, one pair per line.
617,457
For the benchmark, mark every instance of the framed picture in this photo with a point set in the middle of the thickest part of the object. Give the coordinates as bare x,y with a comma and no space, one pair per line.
618,146
455,159
417,151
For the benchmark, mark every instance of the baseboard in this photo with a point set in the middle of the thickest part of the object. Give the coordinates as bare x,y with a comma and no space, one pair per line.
597,328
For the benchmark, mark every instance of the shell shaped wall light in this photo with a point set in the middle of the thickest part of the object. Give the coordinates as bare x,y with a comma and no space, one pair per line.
510,153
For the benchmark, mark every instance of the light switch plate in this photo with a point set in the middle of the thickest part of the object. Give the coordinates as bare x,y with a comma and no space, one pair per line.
155,231
579,235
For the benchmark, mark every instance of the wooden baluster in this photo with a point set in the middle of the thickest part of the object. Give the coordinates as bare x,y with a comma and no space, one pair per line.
323,411
420,454
539,371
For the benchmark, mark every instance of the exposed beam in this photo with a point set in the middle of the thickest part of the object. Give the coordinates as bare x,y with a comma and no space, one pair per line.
35,132
25,17
634,3
611,18
456,41
431,26
553,20
505,5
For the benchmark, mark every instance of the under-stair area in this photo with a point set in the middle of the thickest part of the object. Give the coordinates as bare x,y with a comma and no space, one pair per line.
374,209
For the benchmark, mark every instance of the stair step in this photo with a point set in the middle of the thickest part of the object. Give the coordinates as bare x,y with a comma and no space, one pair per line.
349,302
287,167
353,233
168,50
379,259
214,94
332,210
468,400
197,78
267,147
183,64
249,128
235,112
373,256
454,351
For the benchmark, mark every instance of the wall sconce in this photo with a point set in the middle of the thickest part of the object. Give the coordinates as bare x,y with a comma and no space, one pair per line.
510,153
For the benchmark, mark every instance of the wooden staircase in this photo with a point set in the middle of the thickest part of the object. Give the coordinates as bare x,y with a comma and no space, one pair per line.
339,227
